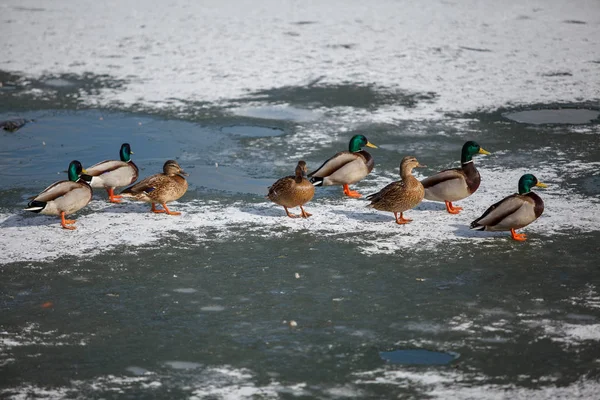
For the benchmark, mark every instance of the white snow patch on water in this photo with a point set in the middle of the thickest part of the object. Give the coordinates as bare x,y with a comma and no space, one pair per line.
185,290
470,55
349,220
213,308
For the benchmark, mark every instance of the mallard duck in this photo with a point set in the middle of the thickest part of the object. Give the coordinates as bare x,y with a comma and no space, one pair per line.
293,191
400,196
346,167
111,174
456,183
160,188
515,211
64,197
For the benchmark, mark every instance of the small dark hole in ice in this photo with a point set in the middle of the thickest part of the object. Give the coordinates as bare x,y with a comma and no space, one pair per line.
252,131
554,116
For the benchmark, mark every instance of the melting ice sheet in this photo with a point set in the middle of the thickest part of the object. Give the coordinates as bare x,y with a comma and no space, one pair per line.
104,226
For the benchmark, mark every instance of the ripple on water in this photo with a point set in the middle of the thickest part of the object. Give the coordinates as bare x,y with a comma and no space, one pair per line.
418,357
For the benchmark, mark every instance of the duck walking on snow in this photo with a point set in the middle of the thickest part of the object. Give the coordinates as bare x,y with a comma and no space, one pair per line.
293,191
402,195
112,174
515,211
346,167
160,188
457,183
64,197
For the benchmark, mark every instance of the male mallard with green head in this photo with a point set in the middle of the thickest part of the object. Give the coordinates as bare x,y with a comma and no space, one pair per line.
160,188
293,191
346,167
112,174
402,195
515,211
457,183
64,197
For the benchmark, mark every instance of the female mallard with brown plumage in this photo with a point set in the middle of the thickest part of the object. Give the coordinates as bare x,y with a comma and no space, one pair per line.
515,211
112,174
457,183
160,188
64,197
400,196
346,167
293,191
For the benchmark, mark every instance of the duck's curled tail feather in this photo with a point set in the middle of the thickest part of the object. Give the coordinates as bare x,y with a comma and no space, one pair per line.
35,206
316,181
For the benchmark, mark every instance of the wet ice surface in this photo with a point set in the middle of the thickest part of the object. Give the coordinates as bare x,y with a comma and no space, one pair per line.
235,300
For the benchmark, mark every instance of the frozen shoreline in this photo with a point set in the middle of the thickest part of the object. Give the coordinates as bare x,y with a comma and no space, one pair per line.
470,55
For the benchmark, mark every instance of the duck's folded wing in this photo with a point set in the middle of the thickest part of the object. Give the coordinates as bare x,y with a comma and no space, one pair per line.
56,190
146,185
497,212
334,163
390,188
442,176
104,167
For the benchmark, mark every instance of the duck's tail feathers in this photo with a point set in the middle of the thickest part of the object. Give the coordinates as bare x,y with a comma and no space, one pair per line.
316,181
475,226
36,206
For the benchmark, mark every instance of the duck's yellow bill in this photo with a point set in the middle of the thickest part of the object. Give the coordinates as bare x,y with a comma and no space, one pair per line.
542,185
84,171
482,151
369,144
131,152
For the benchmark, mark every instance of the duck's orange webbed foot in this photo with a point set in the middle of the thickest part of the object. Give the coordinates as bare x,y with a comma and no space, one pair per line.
66,223
304,213
112,197
452,209
156,210
520,237
169,211
351,193
401,220
291,215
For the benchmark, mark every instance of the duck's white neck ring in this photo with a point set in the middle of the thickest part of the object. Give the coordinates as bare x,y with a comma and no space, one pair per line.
467,162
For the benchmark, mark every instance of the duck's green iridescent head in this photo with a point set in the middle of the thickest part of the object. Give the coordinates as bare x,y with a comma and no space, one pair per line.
469,149
358,142
75,170
125,152
528,181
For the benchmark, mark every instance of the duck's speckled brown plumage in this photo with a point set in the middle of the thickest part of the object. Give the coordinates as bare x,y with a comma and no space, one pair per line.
160,188
293,191
402,195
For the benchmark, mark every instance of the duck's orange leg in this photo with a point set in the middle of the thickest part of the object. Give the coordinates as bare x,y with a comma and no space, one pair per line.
520,237
351,193
156,210
112,197
291,215
304,213
169,211
401,220
65,223
452,209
